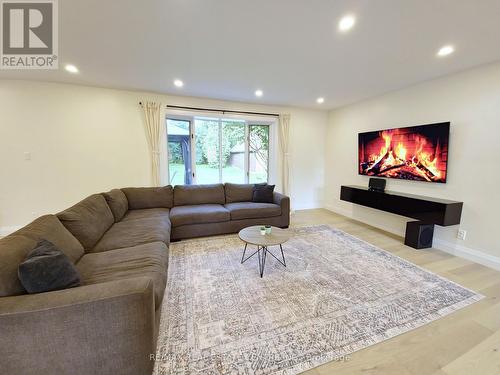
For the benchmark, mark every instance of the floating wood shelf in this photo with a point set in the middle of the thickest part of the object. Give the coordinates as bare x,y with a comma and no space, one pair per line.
428,210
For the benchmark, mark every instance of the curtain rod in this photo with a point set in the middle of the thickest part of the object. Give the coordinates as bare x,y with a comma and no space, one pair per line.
223,111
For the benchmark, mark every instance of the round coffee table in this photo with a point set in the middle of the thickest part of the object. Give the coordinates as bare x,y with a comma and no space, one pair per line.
252,236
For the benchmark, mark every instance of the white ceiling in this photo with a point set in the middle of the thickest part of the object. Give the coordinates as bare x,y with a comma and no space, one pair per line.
291,49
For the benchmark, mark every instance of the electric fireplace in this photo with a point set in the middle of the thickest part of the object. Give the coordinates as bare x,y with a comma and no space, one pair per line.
418,153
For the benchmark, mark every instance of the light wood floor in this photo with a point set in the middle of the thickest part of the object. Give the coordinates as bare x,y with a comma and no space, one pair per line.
466,342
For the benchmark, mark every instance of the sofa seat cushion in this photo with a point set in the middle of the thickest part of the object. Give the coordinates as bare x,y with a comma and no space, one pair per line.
146,214
135,232
198,214
144,260
252,210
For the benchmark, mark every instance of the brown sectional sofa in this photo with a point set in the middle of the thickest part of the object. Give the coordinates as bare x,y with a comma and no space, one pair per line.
119,242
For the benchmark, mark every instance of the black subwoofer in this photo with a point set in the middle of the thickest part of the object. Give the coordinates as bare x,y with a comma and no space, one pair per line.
419,234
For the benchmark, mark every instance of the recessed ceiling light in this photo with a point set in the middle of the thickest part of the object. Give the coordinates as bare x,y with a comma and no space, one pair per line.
259,93
320,100
346,23
71,68
178,83
445,51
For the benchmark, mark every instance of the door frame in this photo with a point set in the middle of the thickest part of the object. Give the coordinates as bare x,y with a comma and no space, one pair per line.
188,119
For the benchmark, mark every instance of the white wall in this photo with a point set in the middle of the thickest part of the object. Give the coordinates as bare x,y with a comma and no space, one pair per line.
471,101
84,140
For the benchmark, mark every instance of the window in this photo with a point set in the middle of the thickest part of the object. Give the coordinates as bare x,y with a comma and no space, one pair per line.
233,152
206,150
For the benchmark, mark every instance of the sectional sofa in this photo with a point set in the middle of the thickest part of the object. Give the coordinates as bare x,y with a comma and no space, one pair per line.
119,243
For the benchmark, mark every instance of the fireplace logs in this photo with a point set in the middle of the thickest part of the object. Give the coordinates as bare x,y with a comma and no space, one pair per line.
415,153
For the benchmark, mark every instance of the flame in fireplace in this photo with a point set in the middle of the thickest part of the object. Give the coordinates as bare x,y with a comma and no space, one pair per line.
427,160
401,151
398,158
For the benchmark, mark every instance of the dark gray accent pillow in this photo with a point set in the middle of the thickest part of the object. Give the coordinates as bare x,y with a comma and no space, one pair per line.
47,268
263,193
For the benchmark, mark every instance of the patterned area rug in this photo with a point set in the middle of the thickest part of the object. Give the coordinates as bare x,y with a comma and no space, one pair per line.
338,294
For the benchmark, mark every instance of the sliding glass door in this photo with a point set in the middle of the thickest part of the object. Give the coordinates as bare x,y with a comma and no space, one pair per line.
259,153
207,151
212,150
233,152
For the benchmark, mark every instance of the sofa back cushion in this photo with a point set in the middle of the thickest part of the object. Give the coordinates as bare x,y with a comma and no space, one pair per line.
15,247
13,250
88,220
149,197
48,227
238,192
199,194
117,202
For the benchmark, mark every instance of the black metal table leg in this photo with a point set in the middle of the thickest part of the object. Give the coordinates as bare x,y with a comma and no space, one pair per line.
279,260
243,260
262,255
260,263
244,250
283,255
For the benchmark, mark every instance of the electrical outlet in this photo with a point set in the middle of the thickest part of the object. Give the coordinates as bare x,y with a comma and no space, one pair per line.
27,155
461,234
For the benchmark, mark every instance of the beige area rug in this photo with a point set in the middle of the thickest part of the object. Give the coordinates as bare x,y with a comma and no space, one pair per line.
338,294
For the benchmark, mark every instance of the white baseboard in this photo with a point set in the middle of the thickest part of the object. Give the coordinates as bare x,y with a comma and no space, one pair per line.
461,251
306,206
347,213
4,231
465,252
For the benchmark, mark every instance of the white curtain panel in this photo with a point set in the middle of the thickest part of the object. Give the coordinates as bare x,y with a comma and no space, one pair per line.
284,140
153,126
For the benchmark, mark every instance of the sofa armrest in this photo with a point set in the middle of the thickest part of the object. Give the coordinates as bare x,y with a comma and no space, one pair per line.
284,202
103,328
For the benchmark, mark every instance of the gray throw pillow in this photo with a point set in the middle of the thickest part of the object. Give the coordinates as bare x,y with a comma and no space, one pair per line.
47,268
263,193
